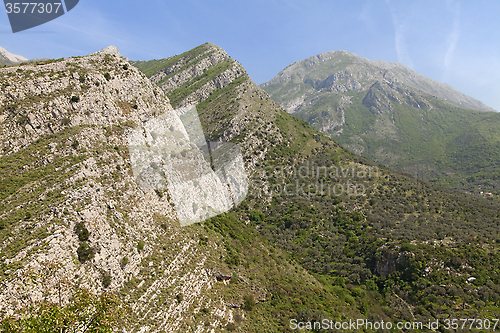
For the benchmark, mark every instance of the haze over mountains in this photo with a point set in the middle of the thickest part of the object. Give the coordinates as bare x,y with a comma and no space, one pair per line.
395,116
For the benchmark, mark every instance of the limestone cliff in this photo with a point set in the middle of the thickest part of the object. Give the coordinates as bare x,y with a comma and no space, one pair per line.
65,165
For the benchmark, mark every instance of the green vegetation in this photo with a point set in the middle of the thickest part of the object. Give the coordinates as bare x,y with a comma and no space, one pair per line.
123,262
85,252
404,240
395,121
151,67
397,248
82,232
106,279
85,312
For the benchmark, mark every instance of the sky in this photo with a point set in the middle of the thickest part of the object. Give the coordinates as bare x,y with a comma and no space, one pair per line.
452,41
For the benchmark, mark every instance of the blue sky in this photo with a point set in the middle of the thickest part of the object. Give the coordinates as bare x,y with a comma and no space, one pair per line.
452,41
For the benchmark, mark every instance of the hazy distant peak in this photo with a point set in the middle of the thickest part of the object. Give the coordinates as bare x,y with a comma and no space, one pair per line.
12,57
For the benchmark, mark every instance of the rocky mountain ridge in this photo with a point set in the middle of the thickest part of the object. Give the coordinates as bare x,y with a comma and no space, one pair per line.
321,233
75,215
66,166
395,116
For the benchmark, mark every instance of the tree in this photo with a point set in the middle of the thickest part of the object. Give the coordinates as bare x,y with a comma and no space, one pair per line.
249,302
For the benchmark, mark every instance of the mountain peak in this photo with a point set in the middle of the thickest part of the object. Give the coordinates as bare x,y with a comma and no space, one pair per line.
110,50
13,58
331,66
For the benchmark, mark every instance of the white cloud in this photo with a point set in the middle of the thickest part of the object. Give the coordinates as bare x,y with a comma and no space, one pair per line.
400,27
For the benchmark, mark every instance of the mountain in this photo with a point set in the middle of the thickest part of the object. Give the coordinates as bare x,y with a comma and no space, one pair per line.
74,214
91,172
368,235
395,116
7,58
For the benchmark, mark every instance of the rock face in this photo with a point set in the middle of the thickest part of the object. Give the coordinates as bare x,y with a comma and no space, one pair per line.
113,50
391,114
65,129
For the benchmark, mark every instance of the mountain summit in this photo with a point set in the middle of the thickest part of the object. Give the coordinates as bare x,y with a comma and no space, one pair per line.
343,71
391,114
7,58
113,50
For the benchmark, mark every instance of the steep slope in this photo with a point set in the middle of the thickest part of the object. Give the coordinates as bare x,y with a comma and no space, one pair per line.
395,116
72,213
380,241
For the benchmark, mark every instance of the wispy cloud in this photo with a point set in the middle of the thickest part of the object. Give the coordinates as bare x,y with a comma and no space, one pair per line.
400,37
365,15
454,36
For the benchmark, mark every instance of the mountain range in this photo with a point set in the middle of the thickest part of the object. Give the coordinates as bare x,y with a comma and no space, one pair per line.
322,234
395,116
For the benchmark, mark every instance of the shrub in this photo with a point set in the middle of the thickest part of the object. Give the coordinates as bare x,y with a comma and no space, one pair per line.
203,240
106,279
140,245
123,262
75,144
81,310
22,120
238,318
85,252
75,99
179,298
82,232
107,76
249,302
65,121
255,216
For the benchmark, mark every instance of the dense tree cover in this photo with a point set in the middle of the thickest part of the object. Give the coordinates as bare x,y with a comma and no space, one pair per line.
399,239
